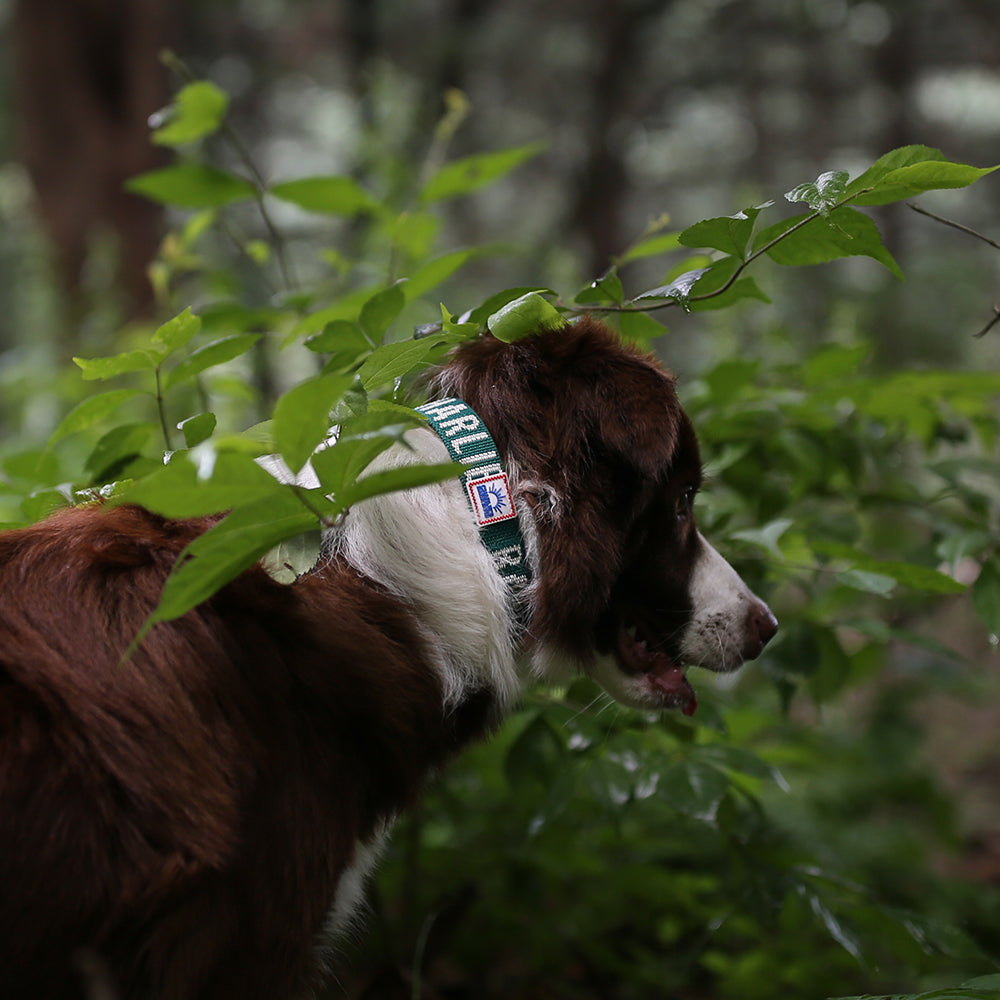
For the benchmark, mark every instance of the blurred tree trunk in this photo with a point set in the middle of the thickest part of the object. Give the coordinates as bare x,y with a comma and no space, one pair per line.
602,186
87,77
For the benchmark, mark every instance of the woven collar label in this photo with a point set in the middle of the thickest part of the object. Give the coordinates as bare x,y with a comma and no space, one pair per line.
491,499
485,483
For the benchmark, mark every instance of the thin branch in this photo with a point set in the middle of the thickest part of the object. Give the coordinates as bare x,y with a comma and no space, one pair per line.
260,187
969,232
161,410
954,225
172,61
989,326
760,251
325,520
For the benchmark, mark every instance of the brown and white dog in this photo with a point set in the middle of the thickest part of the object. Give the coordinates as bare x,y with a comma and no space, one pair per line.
194,823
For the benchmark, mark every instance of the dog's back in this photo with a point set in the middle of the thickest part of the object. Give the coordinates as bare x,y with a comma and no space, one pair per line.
169,815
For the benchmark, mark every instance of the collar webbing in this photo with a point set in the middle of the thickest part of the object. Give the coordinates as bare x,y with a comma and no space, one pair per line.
485,484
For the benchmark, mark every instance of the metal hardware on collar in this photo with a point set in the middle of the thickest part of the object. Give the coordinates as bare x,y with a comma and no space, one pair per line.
486,487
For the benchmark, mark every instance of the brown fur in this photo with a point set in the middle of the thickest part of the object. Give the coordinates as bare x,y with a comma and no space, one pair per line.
192,808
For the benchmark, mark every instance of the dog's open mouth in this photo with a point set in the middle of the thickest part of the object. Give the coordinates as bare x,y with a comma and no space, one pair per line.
638,655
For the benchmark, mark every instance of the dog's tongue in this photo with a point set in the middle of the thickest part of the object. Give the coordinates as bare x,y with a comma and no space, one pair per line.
669,679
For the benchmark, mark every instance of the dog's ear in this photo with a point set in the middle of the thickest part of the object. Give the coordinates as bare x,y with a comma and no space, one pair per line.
635,416
560,397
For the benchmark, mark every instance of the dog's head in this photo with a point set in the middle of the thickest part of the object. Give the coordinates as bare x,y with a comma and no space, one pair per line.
605,465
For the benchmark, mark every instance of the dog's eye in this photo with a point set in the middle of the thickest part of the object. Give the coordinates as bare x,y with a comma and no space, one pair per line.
684,505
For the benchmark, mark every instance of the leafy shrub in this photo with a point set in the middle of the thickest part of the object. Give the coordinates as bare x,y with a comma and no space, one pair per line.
590,851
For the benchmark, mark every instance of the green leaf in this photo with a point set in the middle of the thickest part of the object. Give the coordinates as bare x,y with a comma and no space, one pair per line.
120,444
30,468
727,380
904,156
359,442
434,272
638,327
259,251
867,569
191,185
986,595
380,310
730,234
228,548
651,246
909,171
338,335
716,277
413,234
867,581
197,429
605,289
734,758
694,788
835,927
822,194
967,992
845,232
495,302
535,756
524,316
679,289
302,416
202,482
327,195
406,477
197,111
347,307
474,172
42,503
392,361
344,342
218,352
990,982
834,362
767,536
92,411
915,577
831,668
175,333
117,364
450,325
609,782
740,290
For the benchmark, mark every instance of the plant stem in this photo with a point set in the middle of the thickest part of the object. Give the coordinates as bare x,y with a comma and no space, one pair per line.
260,187
171,60
416,985
325,520
989,326
161,410
760,251
954,225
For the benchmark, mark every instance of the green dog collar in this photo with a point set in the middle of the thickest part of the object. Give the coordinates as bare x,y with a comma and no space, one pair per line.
486,488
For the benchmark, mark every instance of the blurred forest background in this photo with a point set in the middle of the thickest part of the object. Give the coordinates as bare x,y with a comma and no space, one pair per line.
691,108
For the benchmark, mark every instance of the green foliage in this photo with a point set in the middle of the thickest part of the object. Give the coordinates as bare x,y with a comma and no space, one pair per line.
464,176
192,185
197,111
981,988
523,316
748,854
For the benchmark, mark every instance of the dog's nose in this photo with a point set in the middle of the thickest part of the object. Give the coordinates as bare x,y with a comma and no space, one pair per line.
760,627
